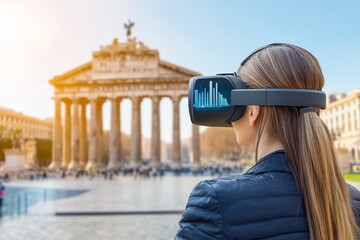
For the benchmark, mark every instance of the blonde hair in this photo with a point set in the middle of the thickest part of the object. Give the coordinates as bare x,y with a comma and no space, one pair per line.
306,139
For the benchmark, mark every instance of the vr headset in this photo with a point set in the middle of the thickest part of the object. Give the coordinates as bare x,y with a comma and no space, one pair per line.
218,100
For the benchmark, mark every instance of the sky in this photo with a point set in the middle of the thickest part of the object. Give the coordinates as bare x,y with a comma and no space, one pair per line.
43,38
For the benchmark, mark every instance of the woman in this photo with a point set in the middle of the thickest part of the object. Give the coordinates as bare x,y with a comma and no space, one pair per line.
296,189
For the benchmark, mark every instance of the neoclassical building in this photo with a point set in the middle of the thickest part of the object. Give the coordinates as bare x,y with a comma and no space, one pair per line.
30,127
117,71
342,116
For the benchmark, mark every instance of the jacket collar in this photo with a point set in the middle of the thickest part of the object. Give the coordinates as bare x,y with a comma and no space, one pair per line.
276,161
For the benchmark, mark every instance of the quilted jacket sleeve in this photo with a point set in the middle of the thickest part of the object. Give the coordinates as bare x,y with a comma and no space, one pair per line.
355,197
202,218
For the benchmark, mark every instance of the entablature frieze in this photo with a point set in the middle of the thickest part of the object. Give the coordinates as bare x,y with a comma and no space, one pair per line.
119,89
172,94
120,81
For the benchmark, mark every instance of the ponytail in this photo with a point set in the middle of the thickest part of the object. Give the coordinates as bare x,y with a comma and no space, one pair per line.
325,193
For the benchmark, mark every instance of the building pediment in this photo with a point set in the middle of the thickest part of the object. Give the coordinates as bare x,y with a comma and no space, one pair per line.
169,70
76,75
121,62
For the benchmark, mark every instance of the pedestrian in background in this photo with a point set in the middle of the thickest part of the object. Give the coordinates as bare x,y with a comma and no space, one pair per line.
2,193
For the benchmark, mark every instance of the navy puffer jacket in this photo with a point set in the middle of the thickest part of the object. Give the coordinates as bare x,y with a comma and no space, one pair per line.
262,203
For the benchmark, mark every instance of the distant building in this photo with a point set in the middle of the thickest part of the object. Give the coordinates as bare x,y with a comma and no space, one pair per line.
146,150
342,116
164,152
185,153
186,150
30,127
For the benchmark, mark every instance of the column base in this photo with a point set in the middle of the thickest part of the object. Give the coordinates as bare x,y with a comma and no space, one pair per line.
73,166
54,165
90,166
64,165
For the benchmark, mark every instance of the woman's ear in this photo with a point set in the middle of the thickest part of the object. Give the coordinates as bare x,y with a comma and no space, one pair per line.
254,113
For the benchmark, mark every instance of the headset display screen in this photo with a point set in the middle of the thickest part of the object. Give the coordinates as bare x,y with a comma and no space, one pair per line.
212,95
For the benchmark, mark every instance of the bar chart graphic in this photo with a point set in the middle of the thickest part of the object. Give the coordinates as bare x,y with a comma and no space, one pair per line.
210,97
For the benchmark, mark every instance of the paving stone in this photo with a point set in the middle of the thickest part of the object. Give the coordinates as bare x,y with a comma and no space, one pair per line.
121,194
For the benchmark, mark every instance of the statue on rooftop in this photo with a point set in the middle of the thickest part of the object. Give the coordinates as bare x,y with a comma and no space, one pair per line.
128,27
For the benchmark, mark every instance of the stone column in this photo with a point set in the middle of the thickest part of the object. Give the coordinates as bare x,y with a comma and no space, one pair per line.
115,135
356,146
176,150
345,124
100,145
155,134
93,140
353,123
57,141
135,155
357,117
67,135
196,147
83,136
75,137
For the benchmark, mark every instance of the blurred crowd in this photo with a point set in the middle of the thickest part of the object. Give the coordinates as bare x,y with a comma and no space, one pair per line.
137,173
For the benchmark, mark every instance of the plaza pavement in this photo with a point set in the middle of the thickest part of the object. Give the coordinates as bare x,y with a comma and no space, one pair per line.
122,194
